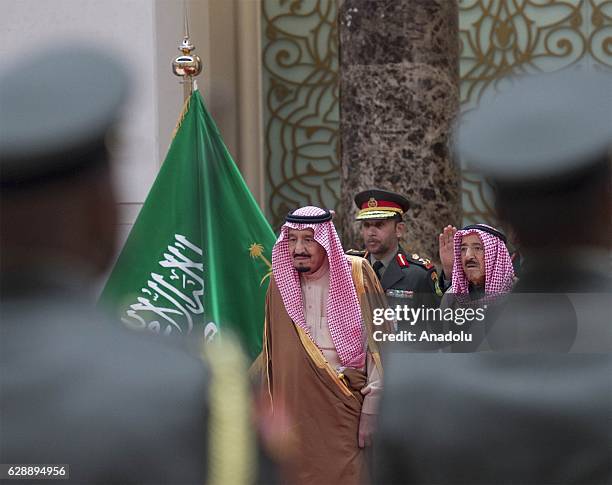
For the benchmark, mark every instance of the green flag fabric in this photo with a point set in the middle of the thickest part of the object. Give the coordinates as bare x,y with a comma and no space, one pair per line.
197,260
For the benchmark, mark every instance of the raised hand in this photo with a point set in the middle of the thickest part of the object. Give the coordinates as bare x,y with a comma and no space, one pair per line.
447,249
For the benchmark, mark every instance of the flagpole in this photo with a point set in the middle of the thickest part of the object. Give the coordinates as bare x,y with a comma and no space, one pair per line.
187,65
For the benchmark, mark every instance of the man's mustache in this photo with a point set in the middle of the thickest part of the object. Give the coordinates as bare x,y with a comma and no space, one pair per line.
303,255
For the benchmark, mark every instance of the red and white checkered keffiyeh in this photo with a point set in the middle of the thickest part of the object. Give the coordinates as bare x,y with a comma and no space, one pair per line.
343,310
499,273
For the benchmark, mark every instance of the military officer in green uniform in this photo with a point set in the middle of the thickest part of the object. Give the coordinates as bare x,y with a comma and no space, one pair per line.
406,277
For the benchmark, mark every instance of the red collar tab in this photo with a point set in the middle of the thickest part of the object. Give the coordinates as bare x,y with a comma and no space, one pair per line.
402,261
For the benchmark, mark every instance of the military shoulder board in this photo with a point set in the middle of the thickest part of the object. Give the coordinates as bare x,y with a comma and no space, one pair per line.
422,261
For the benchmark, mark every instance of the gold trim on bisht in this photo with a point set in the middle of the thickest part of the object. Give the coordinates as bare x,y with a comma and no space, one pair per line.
321,362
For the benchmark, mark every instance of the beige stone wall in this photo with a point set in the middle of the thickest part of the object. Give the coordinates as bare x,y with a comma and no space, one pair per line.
146,34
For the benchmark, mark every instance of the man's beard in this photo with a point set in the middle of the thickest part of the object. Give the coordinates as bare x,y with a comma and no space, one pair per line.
469,274
297,266
382,248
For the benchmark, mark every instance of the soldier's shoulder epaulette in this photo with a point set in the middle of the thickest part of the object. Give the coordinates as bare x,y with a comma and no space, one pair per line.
356,252
414,258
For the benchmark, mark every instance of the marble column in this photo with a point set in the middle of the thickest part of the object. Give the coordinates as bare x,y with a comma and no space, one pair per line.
399,95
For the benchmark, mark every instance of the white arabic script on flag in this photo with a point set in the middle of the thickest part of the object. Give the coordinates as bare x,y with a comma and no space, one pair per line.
169,301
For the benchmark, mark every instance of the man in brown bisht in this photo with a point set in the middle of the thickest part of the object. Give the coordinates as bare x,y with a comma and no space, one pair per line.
323,365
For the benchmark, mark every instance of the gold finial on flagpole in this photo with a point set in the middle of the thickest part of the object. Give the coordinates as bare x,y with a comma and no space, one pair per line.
187,65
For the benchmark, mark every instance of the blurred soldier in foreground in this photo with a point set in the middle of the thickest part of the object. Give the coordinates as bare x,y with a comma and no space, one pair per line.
75,389
524,417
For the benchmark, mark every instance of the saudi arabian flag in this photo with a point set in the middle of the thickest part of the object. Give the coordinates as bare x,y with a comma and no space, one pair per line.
197,260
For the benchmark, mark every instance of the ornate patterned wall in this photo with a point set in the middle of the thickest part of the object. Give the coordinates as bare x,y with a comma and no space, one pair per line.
300,60
497,37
